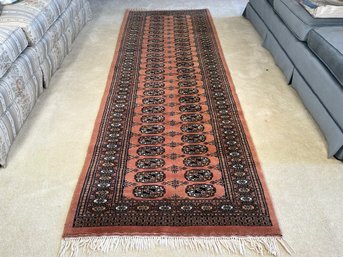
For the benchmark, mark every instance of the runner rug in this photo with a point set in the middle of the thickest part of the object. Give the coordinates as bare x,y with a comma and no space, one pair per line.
171,161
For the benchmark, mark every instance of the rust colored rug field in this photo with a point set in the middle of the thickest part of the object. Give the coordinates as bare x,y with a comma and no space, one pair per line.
171,157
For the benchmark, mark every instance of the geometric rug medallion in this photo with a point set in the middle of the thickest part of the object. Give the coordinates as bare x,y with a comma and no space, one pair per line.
170,154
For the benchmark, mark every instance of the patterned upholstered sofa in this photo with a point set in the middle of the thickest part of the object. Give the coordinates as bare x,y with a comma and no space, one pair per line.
35,36
309,51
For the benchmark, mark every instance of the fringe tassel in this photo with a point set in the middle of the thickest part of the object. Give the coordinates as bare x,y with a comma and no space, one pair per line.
217,245
138,9
164,9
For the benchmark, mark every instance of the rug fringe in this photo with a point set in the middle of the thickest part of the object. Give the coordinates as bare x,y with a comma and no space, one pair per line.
137,9
164,9
217,245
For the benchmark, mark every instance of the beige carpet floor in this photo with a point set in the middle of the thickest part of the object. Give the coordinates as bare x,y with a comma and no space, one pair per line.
47,157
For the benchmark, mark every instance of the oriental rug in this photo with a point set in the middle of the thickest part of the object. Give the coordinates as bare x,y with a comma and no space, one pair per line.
171,160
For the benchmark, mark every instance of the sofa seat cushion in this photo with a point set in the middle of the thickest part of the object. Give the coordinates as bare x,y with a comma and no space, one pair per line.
16,84
59,27
57,42
34,17
12,43
298,20
327,44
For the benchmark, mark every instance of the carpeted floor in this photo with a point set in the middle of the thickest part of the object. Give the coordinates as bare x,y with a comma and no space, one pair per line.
47,157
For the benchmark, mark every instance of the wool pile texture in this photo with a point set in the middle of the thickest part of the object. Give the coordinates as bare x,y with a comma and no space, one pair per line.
171,161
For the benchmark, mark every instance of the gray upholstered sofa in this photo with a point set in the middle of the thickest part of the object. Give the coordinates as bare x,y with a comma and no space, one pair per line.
309,51
35,36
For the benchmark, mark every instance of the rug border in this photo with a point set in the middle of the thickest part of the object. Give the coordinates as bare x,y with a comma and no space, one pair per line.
246,130
69,231
96,127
